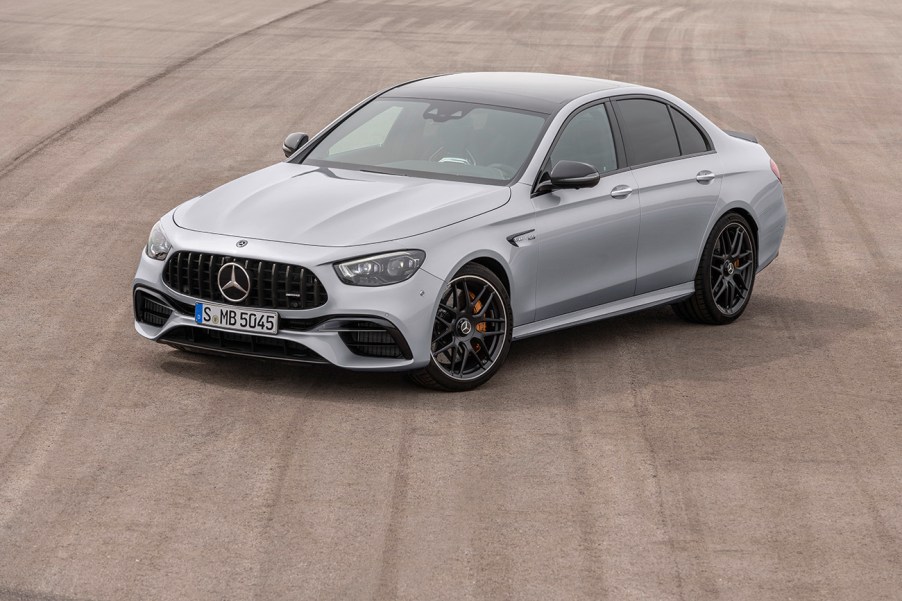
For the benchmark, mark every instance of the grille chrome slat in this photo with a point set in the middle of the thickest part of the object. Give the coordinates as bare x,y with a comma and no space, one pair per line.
260,283
178,270
287,280
188,273
212,276
196,274
272,285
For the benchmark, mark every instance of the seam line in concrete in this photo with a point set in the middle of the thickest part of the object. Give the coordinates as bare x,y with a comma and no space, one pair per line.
48,140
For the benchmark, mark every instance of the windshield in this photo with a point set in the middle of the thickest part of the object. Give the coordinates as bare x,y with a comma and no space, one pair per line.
432,138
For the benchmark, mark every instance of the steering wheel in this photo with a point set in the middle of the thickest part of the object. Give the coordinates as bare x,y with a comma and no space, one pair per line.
506,170
457,160
440,157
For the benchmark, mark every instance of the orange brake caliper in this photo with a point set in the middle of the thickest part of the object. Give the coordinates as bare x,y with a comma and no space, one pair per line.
480,327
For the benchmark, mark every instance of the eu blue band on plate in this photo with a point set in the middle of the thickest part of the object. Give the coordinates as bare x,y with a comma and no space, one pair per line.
199,312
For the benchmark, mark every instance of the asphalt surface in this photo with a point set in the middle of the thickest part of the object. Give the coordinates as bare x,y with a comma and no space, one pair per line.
636,458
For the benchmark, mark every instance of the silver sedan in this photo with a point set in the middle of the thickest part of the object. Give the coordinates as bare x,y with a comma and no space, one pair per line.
436,222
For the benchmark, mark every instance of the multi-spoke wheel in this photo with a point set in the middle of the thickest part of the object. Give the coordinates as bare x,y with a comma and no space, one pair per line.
726,275
472,331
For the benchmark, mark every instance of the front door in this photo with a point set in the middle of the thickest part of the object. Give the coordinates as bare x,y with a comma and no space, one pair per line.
586,239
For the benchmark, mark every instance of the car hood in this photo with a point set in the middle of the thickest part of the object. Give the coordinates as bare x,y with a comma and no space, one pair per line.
318,206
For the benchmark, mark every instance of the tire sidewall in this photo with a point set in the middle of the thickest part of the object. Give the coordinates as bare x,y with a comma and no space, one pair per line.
436,372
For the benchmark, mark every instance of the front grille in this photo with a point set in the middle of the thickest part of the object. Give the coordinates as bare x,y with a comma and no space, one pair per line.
273,285
246,344
150,311
369,339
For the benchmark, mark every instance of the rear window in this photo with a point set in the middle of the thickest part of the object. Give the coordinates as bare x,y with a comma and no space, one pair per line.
691,139
648,133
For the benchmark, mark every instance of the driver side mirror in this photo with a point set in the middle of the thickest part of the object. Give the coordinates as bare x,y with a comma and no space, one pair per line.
569,174
572,174
293,142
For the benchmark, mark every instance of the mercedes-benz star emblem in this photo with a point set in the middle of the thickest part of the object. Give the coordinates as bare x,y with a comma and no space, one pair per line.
464,326
234,283
241,243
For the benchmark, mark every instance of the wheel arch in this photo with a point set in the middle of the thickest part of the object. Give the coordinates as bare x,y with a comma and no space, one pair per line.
495,267
747,215
491,260
741,208
487,258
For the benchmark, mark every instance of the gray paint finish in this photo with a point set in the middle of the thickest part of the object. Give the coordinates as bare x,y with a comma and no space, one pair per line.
335,207
588,256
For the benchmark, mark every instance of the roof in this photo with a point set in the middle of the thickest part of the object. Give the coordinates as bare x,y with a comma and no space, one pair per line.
540,92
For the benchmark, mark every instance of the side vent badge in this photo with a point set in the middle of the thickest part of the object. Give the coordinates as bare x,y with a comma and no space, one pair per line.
522,239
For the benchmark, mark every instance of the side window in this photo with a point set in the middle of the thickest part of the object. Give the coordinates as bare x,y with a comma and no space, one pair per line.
371,133
587,138
647,130
691,140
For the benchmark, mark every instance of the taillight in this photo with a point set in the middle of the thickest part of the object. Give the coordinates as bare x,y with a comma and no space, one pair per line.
776,170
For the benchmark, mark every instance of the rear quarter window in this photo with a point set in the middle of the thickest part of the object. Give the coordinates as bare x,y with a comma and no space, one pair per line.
691,139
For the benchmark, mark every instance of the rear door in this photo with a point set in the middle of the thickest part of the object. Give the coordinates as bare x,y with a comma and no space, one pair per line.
586,238
679,180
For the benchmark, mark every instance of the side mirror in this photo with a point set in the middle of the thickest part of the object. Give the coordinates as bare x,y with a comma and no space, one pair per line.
293,142
572,174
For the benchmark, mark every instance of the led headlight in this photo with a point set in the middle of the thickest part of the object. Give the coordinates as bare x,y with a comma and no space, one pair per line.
381,270
157,244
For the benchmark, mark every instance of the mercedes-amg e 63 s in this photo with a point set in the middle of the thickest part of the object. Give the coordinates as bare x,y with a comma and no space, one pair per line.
436,222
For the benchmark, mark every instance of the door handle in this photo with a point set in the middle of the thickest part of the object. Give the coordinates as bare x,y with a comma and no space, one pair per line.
704,176
621,191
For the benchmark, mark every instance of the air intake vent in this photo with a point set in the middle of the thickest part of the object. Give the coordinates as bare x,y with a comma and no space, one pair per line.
150,311
370,339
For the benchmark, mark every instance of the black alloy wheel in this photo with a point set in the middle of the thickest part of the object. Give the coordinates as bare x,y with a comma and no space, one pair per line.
471,333
726,275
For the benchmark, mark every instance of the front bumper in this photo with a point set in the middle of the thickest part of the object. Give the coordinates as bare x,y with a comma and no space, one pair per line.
338,332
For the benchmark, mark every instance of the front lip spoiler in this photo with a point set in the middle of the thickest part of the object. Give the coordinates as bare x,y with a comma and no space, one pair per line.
227,352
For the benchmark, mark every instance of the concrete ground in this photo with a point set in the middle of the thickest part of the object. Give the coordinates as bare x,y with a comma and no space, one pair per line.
637,458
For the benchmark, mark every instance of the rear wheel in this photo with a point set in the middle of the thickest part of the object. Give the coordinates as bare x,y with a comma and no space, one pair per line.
726,274
471,333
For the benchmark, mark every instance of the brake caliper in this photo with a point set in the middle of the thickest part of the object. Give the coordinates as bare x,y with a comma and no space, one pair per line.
480,327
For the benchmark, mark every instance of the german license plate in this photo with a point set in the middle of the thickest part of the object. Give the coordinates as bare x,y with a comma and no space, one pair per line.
235,318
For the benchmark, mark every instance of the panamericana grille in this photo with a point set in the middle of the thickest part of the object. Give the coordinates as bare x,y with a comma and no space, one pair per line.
273,285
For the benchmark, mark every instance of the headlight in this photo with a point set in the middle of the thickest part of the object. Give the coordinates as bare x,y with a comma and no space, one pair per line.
157,244
381,270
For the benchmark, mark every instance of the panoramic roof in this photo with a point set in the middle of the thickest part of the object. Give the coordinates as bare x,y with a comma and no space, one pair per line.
539,92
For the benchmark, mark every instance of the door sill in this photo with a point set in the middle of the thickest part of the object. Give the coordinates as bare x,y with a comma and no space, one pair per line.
626,305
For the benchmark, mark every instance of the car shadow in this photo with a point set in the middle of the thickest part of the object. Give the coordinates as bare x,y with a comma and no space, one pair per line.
772,329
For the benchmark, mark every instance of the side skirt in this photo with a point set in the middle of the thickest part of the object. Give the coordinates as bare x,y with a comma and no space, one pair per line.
627,305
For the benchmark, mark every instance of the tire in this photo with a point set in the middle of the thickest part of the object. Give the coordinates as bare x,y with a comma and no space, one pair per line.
725,276
471,332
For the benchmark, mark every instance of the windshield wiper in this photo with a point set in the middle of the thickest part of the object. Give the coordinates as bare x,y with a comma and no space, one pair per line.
383,172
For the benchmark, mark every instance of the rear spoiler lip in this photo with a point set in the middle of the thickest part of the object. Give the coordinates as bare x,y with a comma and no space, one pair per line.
741,136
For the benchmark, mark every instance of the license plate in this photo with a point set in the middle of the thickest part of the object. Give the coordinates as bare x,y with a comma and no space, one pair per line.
234,318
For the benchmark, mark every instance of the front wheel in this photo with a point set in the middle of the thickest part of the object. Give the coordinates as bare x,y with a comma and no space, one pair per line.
471,334
726,274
